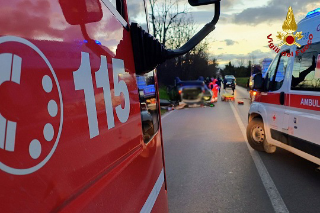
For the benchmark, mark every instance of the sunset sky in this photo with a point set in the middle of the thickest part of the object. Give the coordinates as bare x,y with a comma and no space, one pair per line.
244,25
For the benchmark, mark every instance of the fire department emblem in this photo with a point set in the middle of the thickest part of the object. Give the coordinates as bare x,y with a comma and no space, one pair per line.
289,27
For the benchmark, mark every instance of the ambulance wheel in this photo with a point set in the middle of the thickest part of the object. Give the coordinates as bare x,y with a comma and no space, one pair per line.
256,134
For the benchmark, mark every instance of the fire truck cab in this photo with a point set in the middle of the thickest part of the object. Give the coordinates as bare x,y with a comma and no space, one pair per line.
286,109
76,134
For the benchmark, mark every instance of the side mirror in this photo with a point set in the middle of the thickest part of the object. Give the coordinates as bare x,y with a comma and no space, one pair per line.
81,11
258,82
148,52
202,2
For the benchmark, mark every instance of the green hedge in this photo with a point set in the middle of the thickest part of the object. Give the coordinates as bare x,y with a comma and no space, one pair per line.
163,93
242,81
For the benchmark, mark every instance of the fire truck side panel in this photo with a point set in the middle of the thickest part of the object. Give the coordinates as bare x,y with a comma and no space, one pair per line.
86,152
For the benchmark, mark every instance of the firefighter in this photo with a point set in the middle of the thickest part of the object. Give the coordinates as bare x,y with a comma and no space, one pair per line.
215,89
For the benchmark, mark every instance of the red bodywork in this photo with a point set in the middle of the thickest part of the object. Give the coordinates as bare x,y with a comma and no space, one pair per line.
114,171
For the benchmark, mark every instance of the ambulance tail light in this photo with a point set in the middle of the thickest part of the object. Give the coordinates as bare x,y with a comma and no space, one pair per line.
313,13
254,93
180,91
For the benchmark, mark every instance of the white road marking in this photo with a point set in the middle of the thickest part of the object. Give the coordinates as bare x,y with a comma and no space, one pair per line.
276,200
148,205
165,115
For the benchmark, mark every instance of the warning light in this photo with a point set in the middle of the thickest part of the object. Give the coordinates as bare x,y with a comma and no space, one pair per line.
96,41
254,93
313,12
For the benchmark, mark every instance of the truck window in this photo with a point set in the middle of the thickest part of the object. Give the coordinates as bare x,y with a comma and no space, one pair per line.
276,73
148,105
116,7
118,4
137,13
306,73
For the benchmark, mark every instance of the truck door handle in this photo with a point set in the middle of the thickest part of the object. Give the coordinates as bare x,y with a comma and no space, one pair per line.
282,98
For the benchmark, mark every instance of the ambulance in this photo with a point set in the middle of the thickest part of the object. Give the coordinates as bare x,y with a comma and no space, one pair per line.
286,109
75,135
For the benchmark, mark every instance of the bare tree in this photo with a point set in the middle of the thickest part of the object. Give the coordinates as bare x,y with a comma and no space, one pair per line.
173,26
241,62
252,58
167,18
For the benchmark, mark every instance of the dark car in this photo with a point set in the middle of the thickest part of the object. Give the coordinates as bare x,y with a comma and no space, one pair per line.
229,79
190,92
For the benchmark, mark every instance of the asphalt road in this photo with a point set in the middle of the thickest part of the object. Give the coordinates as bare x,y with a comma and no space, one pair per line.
209,167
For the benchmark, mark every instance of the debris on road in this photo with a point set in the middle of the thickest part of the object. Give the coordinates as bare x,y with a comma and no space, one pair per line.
227,97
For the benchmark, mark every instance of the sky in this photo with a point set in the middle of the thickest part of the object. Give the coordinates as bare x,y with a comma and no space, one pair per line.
241,33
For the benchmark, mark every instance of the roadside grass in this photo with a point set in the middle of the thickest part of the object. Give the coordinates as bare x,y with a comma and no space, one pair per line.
163,93
242,81
163,111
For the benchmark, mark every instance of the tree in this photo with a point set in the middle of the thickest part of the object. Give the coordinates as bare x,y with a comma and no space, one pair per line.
229,69
241,62
174,26
166,18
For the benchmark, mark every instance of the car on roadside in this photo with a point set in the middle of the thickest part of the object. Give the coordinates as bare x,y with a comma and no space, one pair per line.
229,79
190,92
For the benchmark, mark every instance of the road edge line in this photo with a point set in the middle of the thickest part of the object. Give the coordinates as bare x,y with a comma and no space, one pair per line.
276,200
165,115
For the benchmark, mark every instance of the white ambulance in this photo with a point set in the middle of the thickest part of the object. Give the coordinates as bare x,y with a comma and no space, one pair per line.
286,110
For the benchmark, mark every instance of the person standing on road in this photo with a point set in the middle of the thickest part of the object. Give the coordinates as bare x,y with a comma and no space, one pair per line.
219,83
225,83
233,86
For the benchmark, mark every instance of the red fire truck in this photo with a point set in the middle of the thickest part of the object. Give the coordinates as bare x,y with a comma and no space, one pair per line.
74,134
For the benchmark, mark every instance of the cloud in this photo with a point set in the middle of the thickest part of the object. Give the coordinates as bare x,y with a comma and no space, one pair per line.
203,17
254,16
225,4
135,9
273,11
254,56
230,42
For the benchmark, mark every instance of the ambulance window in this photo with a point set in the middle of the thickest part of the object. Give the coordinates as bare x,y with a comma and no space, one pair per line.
137,13
276,72
148,105
306,69
271,72
281,70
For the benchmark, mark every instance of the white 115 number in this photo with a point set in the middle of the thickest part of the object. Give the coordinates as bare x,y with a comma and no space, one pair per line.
83,81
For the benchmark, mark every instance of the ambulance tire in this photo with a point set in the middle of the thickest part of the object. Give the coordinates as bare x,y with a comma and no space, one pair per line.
256,134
